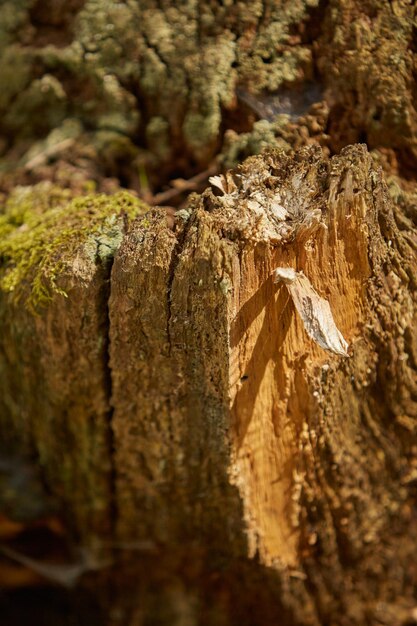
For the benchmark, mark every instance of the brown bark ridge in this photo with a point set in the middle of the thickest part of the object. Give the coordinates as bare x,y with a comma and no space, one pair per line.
55,386
257,477
54,391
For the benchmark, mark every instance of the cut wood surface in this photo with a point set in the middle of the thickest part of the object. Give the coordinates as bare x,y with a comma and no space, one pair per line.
208,410
241,473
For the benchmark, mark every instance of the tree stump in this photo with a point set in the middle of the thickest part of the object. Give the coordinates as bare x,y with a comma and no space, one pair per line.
220,456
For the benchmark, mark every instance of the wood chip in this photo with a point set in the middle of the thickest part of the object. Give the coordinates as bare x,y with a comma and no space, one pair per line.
314,311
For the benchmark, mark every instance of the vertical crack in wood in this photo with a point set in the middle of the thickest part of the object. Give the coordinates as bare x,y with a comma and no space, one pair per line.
108,390
181,236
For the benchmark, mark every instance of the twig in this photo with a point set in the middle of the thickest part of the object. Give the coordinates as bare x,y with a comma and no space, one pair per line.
180,186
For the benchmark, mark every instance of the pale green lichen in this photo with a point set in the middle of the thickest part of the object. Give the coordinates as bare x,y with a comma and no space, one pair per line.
41,228
157,135
59,137
164,74
153,84
263,136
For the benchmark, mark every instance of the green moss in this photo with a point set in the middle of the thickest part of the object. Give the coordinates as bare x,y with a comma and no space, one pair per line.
42,227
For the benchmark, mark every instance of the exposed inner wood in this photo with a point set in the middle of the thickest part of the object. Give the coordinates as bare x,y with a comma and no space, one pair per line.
273,361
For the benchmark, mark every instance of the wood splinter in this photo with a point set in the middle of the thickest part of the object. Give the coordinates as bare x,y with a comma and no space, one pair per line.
314,311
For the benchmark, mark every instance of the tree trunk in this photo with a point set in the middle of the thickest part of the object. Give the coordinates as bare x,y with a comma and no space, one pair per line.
208,419
257,476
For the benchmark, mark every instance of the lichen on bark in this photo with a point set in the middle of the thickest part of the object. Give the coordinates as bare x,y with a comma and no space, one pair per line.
173,398
154,84
134,64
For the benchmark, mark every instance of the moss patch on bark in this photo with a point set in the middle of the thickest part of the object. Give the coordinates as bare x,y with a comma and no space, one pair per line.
42,226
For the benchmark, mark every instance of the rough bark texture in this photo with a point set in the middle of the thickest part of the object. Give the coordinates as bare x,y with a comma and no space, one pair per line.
55,382
317,447
53,392
165,418
150,90
247,461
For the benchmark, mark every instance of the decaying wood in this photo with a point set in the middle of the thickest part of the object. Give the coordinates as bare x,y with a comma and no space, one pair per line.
54,401
55,410
248,465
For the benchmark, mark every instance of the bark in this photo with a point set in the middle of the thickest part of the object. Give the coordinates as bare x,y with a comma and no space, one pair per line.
182,437
55,381
148,91
256,476
54,393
